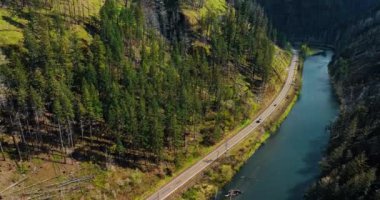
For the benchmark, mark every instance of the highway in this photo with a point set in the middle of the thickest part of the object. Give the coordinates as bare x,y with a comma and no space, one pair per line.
180,180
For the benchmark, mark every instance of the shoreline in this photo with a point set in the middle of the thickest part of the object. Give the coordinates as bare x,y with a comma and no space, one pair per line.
239,154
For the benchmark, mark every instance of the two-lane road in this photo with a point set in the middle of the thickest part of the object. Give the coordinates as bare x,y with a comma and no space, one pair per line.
177,182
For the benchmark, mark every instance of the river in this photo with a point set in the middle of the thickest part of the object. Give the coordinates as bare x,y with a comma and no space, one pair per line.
287,164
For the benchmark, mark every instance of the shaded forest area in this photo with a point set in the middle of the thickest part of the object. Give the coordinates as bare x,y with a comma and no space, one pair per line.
351,167
316,21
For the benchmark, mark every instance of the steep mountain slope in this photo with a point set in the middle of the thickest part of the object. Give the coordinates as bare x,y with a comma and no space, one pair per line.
315,20
351,168
139,87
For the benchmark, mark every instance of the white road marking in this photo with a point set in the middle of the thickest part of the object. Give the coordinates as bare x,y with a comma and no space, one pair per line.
177,182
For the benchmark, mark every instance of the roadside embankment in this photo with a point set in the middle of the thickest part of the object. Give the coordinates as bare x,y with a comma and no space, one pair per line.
222,171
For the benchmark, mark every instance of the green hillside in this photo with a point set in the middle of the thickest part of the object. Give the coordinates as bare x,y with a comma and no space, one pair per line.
101,91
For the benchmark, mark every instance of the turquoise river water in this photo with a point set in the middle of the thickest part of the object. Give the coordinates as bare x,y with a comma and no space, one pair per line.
287,164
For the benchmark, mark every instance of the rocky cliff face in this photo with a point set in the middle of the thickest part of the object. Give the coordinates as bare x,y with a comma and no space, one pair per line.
351,168
165,16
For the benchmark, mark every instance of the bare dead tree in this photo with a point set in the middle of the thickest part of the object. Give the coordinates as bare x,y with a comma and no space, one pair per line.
2,151
14,140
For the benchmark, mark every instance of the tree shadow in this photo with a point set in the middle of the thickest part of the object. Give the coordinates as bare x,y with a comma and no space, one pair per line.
102,156
311,169
96,151
299,190
13,22
48,143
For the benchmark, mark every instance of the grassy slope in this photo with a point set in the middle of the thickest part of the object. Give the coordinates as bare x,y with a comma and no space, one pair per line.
11,24
194,15
10,34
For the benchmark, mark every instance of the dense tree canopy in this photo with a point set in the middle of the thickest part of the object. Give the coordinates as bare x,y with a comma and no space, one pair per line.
131,85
